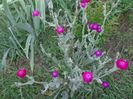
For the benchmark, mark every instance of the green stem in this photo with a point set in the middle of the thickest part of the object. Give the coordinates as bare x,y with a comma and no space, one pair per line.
109,72
32,55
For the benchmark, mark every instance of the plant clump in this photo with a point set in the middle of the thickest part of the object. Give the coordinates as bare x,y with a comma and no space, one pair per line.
73,73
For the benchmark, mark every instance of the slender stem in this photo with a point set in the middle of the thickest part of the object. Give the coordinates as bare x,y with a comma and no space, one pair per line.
15,38
20,89
49,55
109,72
76,13
106,15
58,92
83,30
30,82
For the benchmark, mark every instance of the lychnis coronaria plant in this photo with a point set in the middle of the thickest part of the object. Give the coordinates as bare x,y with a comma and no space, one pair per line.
81,62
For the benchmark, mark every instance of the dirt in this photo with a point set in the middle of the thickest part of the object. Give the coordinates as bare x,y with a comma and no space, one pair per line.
122,40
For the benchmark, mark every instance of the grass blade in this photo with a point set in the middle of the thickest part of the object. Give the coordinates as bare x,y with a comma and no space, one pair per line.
4,59
16,47
17,42
8,12
27,46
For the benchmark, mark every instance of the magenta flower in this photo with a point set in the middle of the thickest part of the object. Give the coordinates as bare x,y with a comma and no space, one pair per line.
87,77
91,26
98,53
99,29
105,84
21,73
55,73
59,30
36,13
83,5
95,26
122,64
86,1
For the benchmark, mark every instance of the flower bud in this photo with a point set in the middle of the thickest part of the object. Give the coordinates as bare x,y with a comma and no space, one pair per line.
60,30
55,73
36,13
98,53
105,84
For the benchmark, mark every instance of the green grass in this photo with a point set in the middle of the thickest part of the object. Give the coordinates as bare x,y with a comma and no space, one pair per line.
121,89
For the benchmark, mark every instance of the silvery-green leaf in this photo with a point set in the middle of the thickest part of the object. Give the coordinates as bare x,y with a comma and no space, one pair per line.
25,26
65,95
46,86
55,83
50,4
